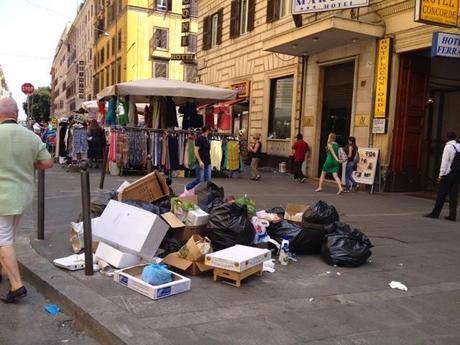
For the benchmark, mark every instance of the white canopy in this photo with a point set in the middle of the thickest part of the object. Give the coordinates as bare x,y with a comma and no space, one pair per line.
179,90
91,106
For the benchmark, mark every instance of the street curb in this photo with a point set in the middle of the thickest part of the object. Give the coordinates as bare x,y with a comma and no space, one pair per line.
97,316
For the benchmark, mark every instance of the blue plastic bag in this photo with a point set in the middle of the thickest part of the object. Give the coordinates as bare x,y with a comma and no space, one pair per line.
156,274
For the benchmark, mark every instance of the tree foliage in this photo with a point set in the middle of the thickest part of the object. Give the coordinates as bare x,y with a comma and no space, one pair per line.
40,102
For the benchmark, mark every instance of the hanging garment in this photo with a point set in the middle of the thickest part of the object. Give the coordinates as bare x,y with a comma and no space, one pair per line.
122,150
137,148
101,112
171,113
132,112
225,121
191,153
181,148
96,146
191,117
216,154
155,106
148,116
173,147
159,141
123,118
111,119
63,127
233,150
209,118
185,163
113,146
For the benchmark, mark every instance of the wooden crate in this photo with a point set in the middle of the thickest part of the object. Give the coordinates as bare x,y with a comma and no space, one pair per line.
149,188
237,277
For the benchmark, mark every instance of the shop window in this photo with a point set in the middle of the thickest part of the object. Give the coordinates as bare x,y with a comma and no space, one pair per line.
161,39
281,93
212,30
277,9
242,17
160,69
192,43
190,73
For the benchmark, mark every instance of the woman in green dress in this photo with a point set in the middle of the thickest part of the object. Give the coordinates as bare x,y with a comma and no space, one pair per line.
332,164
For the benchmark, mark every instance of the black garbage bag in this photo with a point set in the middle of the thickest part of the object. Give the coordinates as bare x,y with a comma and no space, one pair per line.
302,240
99,201
277,210
345,246
144,205
321,213
209,196
229,225
164,204
169,245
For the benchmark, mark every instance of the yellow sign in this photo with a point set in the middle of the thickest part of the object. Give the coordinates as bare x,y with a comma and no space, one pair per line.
308,121
54,122
437,12
361,120
381,83
243,88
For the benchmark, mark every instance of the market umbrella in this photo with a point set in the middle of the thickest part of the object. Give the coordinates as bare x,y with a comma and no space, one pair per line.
179,90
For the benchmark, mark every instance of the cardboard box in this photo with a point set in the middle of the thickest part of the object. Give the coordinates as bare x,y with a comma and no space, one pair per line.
182,235
151,187
77,238
116,258
191,267
294,212
192,250
130,229
173,222
74,262
180,213
238,258
132,278
197,217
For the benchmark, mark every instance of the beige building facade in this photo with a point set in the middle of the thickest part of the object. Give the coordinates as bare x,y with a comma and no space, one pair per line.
317,73
4,90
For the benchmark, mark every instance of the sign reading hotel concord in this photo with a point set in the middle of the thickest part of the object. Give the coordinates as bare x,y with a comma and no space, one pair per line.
381,83
308,6
437,12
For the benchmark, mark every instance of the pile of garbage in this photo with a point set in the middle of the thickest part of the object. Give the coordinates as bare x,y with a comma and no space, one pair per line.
147,233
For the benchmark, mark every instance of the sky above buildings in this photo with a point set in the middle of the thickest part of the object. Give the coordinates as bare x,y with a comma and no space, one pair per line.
29,34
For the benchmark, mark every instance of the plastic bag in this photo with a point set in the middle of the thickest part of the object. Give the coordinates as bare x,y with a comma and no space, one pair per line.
209,196
144,205
321,213
251,205
345,246
277,210
156,274
301,240
229,225
260,225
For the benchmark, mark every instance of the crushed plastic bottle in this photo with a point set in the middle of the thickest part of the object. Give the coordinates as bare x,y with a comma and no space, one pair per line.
284,252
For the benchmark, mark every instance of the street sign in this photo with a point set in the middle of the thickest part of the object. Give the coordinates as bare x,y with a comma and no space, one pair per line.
311,6
186,57
27,88
445,44
437,12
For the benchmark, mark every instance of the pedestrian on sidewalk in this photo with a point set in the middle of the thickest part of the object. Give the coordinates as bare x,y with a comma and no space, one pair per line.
352,161
299,150
448,179
255,152
96,143
332,164
22,151
203,159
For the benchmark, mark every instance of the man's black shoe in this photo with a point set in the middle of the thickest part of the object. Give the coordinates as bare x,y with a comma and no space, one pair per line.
452,219
12,296
430,215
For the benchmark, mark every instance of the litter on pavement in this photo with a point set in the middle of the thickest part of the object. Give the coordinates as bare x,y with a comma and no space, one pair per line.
398,286
52,309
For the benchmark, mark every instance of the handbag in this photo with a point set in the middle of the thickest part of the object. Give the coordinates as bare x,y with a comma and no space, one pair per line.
342,155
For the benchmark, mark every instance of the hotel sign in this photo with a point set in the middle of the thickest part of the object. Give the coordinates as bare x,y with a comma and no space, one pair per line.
183,57
309,6
381,83
243,88
446,45
437,12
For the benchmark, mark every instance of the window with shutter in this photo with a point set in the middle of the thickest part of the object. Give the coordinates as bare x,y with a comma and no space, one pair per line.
169,5
220,19
234,19
243,16
251,15
214,25
206,33
194,8
162,5
192,43
161,39
280,111
270,7
160,69
190,72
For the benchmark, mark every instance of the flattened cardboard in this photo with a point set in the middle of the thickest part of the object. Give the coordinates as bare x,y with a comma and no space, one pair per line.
173,222
192,267
132,278
294,212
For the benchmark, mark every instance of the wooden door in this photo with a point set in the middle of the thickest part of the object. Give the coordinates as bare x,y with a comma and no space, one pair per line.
411,105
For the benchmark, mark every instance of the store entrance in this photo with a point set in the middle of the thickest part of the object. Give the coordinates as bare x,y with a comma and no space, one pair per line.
337,105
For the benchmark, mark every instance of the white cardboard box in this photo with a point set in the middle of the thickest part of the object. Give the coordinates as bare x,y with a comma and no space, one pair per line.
237,258
132,278
196,217
130,229
74,262
115,257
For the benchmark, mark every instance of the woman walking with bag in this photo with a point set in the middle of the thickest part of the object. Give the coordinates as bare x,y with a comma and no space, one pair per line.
352,161
332,164
255,154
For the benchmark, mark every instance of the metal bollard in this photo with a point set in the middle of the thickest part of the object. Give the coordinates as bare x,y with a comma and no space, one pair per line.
86,208
41,205
104,167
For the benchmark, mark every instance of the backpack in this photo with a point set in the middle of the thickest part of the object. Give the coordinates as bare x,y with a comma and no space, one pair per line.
455,166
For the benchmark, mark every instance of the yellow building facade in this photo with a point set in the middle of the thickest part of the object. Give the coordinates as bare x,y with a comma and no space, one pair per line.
141,39
316,73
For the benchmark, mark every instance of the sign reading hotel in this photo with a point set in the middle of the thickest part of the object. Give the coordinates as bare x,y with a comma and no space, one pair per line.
381,82
309,6
446,45
437,12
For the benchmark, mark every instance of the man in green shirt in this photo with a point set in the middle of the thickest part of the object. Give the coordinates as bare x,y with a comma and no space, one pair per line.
22,151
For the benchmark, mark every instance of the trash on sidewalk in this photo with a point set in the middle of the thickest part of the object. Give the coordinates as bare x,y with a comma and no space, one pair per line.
209,196
130,229
52,309
156,274
149,188
77,235
74,262
269,266
132,278
196,217
196,248
123,186
115,257
294,212
398,286
237,258
321,213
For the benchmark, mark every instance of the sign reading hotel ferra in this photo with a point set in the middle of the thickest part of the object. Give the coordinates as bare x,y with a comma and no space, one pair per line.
437,12
381,83
308,6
